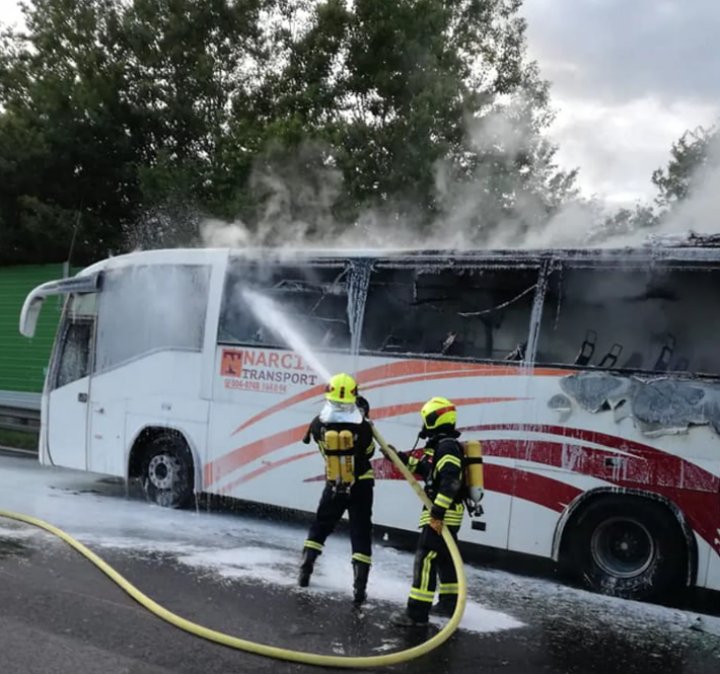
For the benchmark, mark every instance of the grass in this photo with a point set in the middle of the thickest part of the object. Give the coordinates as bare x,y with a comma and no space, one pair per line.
18,439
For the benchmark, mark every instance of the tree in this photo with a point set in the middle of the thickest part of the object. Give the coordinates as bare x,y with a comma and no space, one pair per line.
429,109
119,118
111,110
186,69
689,154
62,139
686,192
623,223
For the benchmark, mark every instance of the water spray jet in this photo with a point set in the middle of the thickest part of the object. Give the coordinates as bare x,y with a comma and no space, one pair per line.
271,316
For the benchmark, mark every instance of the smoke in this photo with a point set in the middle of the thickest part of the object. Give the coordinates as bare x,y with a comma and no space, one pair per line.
570,227
481,198
696,213
293,192
487,199
219,234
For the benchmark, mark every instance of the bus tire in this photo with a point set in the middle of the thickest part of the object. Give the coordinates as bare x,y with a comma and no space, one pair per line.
167,472
628,547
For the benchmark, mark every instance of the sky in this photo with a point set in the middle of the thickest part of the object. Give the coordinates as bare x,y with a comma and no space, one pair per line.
628,78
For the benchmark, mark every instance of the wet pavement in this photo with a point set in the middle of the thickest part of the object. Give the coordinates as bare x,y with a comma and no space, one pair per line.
60,614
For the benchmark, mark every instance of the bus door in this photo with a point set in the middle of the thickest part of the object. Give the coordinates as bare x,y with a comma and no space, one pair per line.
69,384
106,423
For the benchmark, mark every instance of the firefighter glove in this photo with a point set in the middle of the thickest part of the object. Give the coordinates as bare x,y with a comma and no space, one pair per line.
436,525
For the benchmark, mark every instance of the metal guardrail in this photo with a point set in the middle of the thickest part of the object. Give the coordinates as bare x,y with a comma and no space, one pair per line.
19,411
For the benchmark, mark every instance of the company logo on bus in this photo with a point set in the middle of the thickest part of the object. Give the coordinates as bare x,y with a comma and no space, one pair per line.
264,371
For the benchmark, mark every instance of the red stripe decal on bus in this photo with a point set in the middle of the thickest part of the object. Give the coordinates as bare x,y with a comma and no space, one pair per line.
436,377
264,469
217,469
542,490
693,489
698,507
228,463
408,408
371,374
401,373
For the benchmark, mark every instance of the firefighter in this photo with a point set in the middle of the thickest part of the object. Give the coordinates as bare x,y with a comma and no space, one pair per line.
441,468
345,440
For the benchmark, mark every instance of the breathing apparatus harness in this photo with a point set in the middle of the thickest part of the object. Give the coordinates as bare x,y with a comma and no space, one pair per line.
339,451
439,417
473,488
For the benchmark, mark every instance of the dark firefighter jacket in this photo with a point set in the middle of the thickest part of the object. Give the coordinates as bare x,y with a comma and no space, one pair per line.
441,468
363,445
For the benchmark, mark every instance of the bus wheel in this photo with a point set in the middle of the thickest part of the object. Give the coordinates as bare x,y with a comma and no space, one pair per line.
167,472
632,548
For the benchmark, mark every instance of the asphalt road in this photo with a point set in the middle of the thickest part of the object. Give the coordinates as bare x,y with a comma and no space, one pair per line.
59,614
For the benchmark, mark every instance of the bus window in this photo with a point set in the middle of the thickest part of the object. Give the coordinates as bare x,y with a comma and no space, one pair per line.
460,313
656,320
309,300
147,308
74,355
74,358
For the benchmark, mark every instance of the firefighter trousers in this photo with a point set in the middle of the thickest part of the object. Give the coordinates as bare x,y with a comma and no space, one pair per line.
358,502
432,559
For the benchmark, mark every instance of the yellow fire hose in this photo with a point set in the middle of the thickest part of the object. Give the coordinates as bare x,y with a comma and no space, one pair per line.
276,652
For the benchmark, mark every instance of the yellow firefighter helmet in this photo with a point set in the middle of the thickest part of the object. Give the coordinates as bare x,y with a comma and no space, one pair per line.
342,388
438,412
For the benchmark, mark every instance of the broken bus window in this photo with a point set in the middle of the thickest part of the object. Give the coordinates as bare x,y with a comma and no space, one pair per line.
478,313
309,300
652,319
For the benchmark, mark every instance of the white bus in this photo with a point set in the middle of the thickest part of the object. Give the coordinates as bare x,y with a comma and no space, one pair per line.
591,378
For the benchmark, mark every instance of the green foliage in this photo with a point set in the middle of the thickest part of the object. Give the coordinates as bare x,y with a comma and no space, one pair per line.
19,439
429,109
60,88
691,170
119,118
624,222
687,156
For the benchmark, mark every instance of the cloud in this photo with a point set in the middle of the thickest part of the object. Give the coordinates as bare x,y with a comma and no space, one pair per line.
628,78
622,49
619,145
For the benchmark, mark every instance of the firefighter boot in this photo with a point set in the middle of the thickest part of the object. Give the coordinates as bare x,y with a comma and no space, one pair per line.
306,566
446,605
404,619
416,614
360,572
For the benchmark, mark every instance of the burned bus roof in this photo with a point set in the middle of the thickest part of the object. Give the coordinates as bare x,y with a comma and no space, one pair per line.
647,255
681,249
685,251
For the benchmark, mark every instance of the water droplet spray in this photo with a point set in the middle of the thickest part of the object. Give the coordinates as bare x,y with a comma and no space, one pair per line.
272,317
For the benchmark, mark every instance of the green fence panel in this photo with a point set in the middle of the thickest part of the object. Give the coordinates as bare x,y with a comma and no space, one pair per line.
23,361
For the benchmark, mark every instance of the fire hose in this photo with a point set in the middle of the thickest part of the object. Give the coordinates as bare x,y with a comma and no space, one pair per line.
276,652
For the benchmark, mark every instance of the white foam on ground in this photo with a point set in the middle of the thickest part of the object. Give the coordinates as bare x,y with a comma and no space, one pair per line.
13,533
227,546
389,578
234,547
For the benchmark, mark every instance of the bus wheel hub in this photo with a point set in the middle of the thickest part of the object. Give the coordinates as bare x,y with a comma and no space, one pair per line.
163,471
622,547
